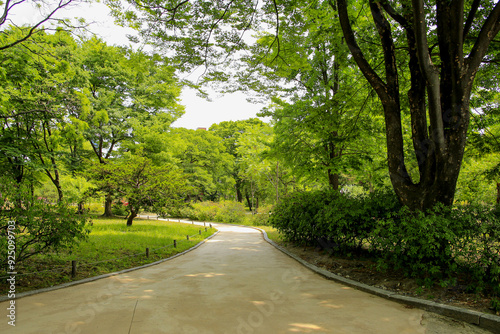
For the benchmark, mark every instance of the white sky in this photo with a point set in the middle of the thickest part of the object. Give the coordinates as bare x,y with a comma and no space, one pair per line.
199,112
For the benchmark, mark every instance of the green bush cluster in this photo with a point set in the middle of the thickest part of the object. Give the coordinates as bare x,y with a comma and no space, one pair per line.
223,212
331,219
445,244
31,225
261,217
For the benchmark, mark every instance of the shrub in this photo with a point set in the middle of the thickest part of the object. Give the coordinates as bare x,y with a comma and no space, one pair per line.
261,218
230,212
462,242
34,225
223,212
119,209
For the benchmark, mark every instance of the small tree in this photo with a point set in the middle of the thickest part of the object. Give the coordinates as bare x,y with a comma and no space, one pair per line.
143,185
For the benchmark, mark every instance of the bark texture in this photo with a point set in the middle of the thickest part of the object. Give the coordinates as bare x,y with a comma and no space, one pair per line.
439,94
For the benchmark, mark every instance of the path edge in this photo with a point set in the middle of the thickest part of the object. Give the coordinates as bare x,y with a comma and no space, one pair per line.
95,278
486,321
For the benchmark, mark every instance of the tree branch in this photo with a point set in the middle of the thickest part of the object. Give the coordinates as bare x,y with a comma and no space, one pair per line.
34,28
431,74
375,81
488,32
470,17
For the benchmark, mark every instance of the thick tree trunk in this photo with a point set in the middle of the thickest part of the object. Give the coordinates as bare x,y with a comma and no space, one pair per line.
440,91
107,206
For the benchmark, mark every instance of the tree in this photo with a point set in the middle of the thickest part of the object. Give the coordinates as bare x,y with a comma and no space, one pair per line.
446,45
142,185
444,42
263,173
204,160
40,87
230,132
322,110
126,90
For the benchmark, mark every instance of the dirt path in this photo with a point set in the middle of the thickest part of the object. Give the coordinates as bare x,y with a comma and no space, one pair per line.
234,283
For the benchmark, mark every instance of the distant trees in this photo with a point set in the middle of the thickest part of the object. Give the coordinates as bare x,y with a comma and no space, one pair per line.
65,103
142,185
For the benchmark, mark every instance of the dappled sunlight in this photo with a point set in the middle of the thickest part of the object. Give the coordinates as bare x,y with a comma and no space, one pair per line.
204,275
245,249
328,304
346,288
214,241
305,328
139,297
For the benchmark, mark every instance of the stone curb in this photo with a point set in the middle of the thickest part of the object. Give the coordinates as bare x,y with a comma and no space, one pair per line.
95,278
486,321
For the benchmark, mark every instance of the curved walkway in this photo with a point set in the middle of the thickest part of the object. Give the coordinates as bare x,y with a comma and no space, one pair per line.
234,283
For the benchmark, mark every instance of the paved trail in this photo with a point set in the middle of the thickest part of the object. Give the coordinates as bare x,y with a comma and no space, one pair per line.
234,283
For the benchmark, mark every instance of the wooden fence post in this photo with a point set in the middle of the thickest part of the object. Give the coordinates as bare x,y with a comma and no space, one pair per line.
73,268
147,252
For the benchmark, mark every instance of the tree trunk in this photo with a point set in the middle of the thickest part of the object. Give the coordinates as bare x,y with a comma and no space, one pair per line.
333,180
131,217
80,208
107,206
249,201
440,91
239,196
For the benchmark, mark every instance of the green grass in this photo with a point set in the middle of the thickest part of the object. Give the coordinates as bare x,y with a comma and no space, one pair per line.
111,246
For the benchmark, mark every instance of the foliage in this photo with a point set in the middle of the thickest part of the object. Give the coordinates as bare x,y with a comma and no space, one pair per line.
203,158
330,218
224,212
142,185
40,227
261,217
444,243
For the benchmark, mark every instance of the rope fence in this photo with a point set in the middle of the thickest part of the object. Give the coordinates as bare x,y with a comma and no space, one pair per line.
74,263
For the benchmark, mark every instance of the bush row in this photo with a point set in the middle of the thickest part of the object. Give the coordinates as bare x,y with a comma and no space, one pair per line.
223,212
445,243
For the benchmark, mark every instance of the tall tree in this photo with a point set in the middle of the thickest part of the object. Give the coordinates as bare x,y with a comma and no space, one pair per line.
441,44
446,42
321,103
125,89
40,87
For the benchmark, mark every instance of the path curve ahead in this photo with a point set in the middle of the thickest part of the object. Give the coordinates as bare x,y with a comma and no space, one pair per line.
234,283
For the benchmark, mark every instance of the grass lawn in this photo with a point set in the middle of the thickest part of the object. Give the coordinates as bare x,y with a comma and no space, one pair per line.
111,246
